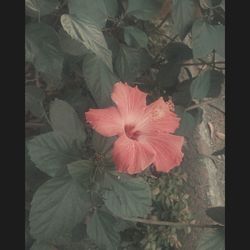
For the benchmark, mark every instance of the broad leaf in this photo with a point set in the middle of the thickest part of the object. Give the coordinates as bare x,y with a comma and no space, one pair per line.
207,84
89,35
57,207
212,239
70,45
102,144
112,7
101,229
182,94
37,8
183,14
189,120
126,196
206,38
33,100
131,62
51,152
81,171
168,75
93,10
64,119
42,246
143,9
217,214
135,37
99,79
43,49
178,52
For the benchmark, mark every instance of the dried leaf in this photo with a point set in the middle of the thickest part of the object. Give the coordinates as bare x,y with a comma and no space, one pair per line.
220,135
211,130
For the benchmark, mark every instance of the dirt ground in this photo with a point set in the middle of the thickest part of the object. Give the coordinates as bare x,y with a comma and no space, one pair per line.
206,181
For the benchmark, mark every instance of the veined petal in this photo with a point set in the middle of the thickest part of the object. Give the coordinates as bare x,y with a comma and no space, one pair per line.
131,156
106,122
130,102
158,117
168,150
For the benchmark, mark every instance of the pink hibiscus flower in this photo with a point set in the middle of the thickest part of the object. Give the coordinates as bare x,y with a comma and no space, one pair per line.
144,131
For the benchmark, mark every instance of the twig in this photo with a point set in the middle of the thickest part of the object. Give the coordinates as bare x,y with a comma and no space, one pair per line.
174,224
30,80
201,103
34,125
213,106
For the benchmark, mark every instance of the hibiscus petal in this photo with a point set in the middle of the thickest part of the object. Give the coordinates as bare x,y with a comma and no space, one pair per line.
168,150
129,101
158,117
131,156
106,122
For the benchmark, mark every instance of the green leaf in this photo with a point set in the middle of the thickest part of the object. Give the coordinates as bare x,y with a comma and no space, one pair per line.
57,207
207,37
168,75
143,9
101,229
126,195
207,84
131,62
64,119
89,35
102,144
33,100
189,120
42,246
99,79
182,95
212,239
35,8
112,7
183,14
70,45
81,171
178,52
217,214
51,152
135,37
93,10
43,49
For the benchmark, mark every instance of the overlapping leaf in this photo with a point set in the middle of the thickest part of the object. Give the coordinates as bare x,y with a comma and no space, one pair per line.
143,9
42,246
183,14
89,35
206,38
130,62
126,196
40,7
212,239
43,49
52,151
57,206
135,37
99,79
33,100
93,10
101,229
65,120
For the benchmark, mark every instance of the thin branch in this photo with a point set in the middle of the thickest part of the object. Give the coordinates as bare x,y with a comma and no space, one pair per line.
174,224
34,125
202,63
200,104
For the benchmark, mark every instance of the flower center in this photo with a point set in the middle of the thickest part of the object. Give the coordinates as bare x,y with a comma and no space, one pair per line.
131,133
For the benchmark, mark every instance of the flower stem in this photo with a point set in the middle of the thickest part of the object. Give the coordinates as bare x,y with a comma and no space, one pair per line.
174,224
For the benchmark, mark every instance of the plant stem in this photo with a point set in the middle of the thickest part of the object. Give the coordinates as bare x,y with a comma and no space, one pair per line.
201,103
34,125
174,224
